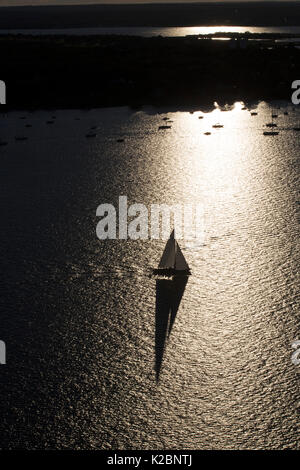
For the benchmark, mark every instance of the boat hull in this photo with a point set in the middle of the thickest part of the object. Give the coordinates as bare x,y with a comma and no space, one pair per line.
170,272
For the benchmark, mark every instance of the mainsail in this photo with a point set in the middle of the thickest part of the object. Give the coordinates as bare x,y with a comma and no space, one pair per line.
180,262
168,257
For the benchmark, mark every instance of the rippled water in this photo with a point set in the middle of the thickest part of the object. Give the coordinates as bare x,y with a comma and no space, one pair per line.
78,314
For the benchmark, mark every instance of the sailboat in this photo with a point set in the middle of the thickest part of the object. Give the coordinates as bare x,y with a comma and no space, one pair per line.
271,132
272,124
172,262
297,128
217,126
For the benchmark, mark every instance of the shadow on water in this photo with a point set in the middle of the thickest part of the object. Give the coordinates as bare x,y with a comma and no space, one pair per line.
169,293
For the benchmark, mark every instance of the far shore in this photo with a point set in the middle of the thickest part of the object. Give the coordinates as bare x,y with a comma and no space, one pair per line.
258,13
102,71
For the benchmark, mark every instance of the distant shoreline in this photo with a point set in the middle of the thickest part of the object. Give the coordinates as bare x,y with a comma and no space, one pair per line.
272,13
107,71
253,32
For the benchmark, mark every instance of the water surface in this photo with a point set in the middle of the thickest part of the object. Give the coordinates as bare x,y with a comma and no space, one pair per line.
78,314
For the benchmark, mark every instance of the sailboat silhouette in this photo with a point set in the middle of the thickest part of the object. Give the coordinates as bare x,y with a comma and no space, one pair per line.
172,262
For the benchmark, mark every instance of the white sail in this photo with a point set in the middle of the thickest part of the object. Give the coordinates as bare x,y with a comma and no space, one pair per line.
180,262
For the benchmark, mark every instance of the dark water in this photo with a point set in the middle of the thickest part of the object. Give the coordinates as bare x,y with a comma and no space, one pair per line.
79,315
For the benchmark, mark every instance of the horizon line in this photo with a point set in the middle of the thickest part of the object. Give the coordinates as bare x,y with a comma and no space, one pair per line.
57,3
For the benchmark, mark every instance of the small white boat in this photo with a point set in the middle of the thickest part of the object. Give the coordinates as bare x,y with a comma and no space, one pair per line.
271,124
172,262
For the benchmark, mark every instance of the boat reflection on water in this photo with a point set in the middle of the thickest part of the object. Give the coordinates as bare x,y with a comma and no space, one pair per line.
169,293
